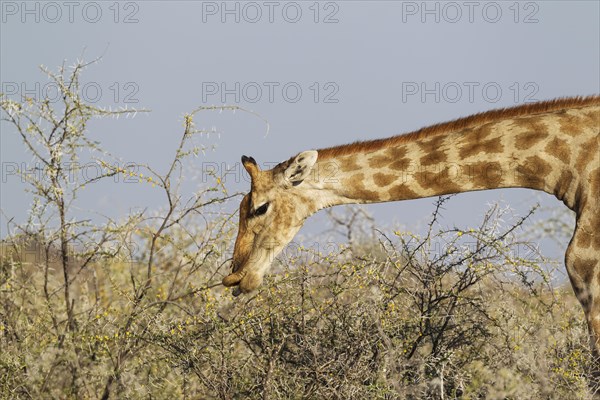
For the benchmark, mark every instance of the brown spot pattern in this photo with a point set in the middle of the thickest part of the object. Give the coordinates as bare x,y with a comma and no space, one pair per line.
535,131
559,149
569,123
382,179
402,192
583,267
441,182
484,175
433,158
355,188
401,165
396,152
589,151
563,185
379,161
434,149
348,164
592,118
392,155
474,147
532,172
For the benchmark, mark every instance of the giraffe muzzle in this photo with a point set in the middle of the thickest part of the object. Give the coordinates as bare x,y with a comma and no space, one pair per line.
234,279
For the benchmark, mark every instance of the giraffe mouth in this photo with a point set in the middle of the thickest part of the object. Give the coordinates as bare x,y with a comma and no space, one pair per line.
234,279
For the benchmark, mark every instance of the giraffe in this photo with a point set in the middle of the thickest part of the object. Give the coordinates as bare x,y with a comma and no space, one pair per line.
552,146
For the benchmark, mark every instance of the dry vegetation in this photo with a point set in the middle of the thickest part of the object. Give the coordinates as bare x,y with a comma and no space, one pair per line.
134,309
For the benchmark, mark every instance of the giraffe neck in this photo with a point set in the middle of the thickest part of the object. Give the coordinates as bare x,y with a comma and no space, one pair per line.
554,151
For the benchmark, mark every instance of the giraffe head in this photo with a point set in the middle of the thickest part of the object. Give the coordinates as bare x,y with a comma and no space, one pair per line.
270,215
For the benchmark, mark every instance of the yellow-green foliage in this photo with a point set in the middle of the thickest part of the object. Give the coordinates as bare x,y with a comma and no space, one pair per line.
356,324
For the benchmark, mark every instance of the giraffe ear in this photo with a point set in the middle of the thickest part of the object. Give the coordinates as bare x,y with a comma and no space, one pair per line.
299,167
251,166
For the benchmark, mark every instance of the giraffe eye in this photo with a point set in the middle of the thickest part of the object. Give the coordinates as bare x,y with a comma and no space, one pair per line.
261,210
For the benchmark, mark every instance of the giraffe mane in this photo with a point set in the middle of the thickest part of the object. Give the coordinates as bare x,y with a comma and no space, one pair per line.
460,124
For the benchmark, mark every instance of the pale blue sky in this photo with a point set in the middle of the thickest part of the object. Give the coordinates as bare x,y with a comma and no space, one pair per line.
368,58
